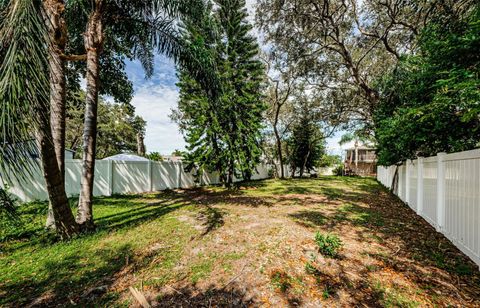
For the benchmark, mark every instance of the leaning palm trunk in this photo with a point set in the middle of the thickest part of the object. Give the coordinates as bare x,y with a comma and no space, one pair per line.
62,214
93,41
57,33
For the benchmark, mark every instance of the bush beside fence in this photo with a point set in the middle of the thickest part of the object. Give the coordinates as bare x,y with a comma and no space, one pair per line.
445,191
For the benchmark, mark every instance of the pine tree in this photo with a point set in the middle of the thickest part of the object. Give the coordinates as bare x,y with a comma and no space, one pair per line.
223,133
306,143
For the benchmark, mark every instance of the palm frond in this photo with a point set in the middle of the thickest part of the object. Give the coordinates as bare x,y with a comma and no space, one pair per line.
178,8
24,84
156,25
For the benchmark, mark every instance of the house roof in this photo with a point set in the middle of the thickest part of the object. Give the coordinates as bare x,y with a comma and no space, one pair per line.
126,157
173,158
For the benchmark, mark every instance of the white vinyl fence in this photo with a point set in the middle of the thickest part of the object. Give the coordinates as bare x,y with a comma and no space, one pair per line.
118,177
445,190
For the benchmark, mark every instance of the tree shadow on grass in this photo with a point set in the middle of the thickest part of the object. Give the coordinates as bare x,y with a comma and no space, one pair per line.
211,218
378,216
202,196
128,214
309,218
230,296
138,214
61,282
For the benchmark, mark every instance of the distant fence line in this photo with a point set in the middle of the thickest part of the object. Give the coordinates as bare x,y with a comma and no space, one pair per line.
445,190
120,177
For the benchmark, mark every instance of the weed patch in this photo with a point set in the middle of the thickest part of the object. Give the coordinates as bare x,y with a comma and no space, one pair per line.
328,244
281,281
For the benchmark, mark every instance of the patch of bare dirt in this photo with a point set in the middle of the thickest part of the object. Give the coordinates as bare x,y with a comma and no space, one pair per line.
259,248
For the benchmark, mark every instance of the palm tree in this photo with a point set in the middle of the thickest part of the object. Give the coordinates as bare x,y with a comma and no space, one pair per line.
57,32
24,97
146,26
33,74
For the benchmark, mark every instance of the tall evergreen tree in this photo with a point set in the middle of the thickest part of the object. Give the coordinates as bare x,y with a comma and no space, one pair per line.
306,145
223,133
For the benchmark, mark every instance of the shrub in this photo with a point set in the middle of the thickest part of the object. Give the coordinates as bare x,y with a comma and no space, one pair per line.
338,170
281,281
8,208
9,218
328,244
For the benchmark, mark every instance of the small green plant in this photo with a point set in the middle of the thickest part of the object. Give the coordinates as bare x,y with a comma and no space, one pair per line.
328,244
8,204
310,268
338,170
281,281
10,222
326,292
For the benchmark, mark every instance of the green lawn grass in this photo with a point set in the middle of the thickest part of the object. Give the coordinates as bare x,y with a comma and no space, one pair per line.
32,262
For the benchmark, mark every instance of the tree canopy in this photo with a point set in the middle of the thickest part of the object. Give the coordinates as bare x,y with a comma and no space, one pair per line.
430,102
117,129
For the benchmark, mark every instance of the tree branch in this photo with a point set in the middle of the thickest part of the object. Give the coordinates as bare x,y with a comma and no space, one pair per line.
74,58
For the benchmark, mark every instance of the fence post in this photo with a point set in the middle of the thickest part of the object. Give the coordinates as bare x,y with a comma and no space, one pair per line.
110,177
150,180
420,186
399,183
179,164
407,181
440,191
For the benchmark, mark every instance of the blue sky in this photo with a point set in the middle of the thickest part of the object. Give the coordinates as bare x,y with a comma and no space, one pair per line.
156,97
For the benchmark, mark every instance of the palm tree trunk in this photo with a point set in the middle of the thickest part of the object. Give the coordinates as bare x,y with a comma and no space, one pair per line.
93,44
64,221
57,34
57,118
57,31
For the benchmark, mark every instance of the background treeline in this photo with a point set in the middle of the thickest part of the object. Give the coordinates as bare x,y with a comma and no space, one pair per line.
403,75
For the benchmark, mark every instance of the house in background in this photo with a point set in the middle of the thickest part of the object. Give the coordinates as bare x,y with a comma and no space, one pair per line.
173,158
360,160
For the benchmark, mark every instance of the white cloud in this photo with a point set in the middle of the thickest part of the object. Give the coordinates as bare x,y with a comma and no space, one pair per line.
154,104
333,146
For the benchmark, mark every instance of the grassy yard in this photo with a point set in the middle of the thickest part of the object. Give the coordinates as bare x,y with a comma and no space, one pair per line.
252,247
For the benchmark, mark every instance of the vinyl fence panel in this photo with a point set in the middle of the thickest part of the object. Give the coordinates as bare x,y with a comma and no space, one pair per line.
130,177
119,177
412,167
430,190
445,191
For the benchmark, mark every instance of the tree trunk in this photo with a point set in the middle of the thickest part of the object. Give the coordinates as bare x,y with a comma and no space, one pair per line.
93,44
140,145
230,175
302,168
279,141
57,31
64,221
